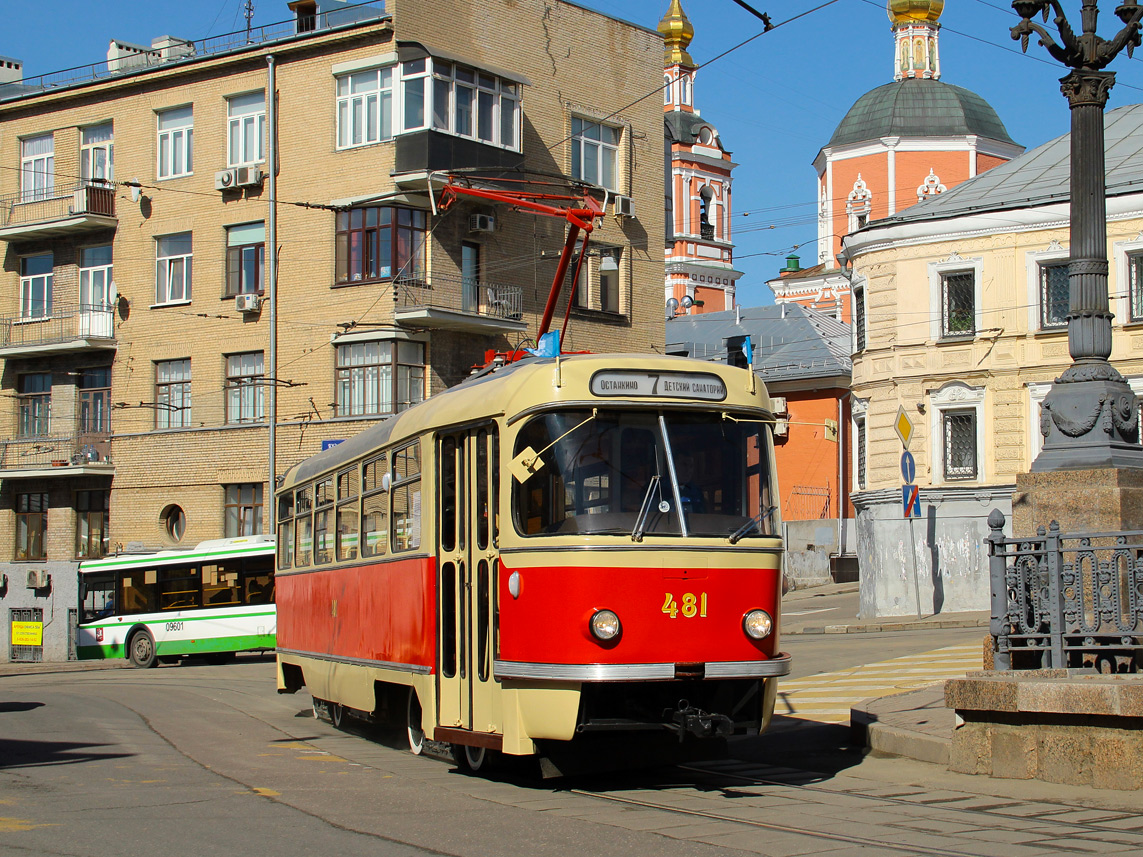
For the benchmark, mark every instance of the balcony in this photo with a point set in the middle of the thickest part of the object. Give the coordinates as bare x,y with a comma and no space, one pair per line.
455,303
79,208
76,454
86,329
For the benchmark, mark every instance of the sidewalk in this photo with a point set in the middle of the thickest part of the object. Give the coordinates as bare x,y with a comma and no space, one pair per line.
833,609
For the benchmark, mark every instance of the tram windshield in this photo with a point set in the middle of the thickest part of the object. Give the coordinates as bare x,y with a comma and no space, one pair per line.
639,473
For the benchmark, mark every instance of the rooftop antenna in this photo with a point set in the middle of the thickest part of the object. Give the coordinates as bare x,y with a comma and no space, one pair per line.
249,9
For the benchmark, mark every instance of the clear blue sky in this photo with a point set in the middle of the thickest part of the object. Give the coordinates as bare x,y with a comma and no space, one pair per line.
775,101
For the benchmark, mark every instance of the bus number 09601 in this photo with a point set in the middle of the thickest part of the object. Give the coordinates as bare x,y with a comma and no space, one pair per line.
693,605
174,626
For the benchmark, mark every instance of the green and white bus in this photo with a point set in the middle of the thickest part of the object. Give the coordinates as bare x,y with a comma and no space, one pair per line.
213,600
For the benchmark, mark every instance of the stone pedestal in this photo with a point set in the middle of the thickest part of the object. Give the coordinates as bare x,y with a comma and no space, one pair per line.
1059,726
1103,500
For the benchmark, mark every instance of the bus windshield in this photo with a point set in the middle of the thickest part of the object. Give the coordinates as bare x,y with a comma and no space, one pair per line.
643,472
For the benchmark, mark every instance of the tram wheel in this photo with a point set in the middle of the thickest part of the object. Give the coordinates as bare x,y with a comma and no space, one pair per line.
319,706
472,759
336,713
141,650
413,721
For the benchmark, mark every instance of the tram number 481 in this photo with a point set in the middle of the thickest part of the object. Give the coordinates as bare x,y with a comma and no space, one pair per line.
693,605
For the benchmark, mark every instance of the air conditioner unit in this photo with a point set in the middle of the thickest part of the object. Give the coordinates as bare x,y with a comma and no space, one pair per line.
246,176
778,404
247,303
781,427
37,578
624,206
226,179
481,223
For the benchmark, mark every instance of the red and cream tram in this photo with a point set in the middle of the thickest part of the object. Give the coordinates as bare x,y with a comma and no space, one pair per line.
562,549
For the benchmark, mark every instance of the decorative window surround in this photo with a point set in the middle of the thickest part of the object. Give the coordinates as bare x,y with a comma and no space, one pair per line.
955,396
858,411
1121,253
953,264
1032,262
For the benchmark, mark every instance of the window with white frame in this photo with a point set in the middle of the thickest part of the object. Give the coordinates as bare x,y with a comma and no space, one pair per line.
859,316
378,377
96,293
598,284
36,286
955,297
414,95
957,426
173,268
242,510
173,394
246,129
858,410
245,392
666,89
595,149
37,168
1135,284
1054,294
176,142
97,153
245,259
364,107
471,103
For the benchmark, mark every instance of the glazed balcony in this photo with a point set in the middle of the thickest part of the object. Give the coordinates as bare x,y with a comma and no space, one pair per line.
90,328
74,454
455,303
62,210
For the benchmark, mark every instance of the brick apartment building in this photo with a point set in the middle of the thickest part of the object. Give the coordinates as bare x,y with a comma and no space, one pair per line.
144,345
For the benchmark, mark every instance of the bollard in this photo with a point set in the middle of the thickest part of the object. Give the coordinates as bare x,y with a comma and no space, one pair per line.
998,590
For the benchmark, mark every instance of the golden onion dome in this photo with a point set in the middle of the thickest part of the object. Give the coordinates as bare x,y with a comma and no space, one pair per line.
677,33
908,11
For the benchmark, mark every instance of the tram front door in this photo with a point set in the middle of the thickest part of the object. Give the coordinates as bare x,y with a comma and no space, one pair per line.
467,474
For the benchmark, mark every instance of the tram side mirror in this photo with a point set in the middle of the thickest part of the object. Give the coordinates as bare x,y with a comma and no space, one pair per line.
525,464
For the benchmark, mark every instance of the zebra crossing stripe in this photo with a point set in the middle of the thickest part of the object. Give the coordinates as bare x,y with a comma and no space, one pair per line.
828,697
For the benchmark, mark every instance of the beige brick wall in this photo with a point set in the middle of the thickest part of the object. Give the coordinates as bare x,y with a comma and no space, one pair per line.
576,61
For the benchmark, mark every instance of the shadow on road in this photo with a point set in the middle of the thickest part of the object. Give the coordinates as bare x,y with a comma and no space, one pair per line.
36,754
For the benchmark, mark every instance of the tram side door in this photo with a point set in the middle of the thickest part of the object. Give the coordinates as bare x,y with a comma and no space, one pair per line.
468,564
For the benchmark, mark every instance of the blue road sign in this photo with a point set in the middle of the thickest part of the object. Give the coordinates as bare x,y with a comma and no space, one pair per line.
329,444
911,498
908,466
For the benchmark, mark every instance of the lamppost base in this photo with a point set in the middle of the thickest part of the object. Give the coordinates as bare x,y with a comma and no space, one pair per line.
1089,423
1101,500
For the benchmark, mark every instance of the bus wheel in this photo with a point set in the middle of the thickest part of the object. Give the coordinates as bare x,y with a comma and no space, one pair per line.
336,713
141,650
416,733
472,759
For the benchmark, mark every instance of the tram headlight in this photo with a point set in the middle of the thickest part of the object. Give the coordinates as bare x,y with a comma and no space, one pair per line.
757,624
605,625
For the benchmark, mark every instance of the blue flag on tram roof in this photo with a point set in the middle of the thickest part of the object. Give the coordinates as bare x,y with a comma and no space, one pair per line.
548,346
748,350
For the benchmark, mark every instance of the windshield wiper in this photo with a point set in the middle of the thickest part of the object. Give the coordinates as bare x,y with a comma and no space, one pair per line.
749,525
644,510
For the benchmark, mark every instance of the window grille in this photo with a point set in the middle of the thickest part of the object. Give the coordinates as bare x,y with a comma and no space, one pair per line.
960,444
1054,295
860,425
958,299
1135,282
859,316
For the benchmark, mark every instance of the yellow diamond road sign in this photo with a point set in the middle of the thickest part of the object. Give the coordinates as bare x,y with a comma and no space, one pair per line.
904,427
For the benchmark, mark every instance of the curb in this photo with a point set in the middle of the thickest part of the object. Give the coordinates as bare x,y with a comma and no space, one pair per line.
930,625
867,731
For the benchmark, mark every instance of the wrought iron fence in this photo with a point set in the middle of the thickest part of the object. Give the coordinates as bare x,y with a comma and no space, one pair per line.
88,322
459,294
38,205
1063,601
54,450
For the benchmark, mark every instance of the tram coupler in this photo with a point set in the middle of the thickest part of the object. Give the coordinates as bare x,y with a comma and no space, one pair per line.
695,721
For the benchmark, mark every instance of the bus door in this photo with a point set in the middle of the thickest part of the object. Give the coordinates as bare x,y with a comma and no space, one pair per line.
467,538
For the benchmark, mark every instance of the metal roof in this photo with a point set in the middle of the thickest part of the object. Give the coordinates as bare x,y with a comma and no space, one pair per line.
915,107
1041,176
791,342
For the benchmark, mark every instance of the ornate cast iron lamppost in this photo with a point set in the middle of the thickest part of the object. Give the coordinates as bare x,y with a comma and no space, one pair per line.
1089,418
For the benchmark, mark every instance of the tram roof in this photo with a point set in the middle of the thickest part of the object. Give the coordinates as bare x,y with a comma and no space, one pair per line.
515,388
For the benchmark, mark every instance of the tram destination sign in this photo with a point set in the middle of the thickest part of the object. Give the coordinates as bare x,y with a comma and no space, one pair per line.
665,385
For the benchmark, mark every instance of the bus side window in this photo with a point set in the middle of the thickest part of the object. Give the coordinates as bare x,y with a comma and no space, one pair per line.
259,588
178,588
137,592
219,587
98,595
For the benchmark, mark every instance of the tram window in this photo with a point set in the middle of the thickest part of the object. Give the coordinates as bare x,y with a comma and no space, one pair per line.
286,529
483,631
347,530
98,595
137,591
323,537
374,524
494,501
303,527
449,491
407,516
407,462
482,498
323,493
448,620
372,473
219,586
